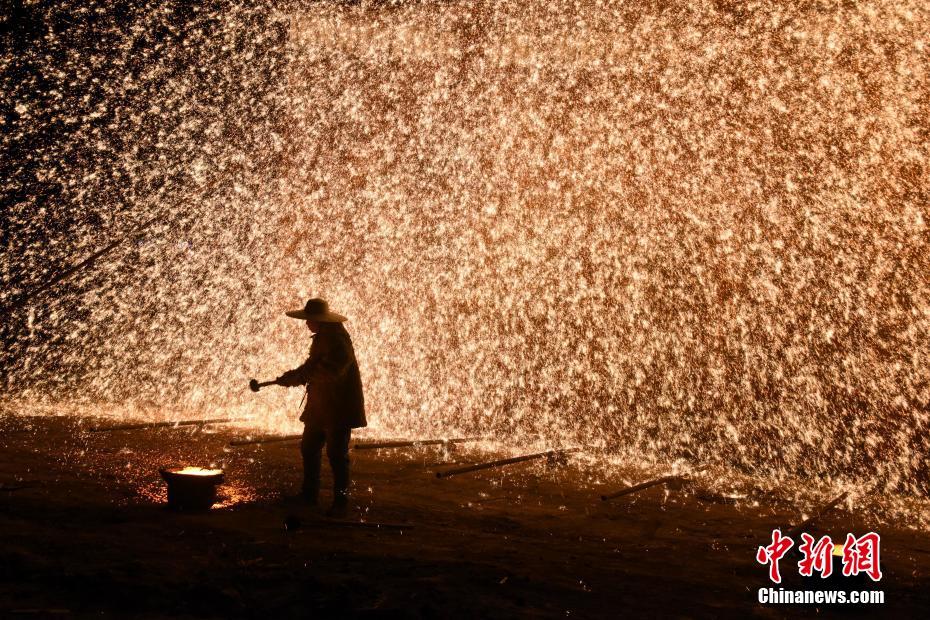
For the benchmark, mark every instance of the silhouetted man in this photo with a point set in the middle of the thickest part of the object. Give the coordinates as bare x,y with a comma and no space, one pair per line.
335,403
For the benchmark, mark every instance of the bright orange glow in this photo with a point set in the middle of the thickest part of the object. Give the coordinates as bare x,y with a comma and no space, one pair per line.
197,471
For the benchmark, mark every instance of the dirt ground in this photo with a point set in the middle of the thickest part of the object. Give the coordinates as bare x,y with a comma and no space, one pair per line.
84,531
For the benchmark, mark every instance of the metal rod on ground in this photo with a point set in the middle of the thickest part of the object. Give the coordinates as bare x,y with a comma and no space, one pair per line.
133,427
517,459
823,510
415,443
369,524
648,484
261,440
25,298
359,446
639,487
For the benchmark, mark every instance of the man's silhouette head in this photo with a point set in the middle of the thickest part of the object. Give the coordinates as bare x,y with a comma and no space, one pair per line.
316,312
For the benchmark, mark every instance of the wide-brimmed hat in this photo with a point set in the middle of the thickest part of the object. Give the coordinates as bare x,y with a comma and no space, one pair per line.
316,309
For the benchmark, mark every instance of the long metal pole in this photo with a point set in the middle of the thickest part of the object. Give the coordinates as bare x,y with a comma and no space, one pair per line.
651,483
133,427
517,459
823,510
261,440
639,487
361,445
413,443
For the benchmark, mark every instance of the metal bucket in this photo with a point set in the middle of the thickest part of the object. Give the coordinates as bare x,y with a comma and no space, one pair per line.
191,488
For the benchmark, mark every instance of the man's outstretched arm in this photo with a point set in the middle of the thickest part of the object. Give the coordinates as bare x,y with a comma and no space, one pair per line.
328,361
297,377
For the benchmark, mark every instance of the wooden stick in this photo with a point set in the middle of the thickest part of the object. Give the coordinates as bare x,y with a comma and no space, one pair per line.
650,483
517,459
823,510
133,427
413,443
251,442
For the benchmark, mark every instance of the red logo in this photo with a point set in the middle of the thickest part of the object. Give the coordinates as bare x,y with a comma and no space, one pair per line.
773,553
860,555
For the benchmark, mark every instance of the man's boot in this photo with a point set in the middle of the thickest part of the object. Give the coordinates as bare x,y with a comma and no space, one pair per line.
338,452
311,449
311,498
340,507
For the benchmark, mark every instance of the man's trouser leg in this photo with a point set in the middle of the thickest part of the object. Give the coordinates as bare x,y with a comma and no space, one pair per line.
311,448
337,449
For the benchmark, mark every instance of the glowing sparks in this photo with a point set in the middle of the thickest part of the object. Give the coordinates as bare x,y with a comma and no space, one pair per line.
689,232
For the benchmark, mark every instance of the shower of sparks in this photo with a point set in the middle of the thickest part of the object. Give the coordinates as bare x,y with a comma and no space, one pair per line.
669,232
